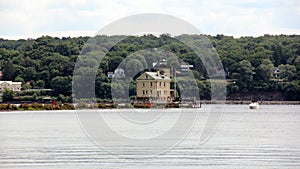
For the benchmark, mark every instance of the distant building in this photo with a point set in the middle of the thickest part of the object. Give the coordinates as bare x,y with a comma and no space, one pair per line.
185,68
118,73
276,72
14,86
154,86
110,74
162,67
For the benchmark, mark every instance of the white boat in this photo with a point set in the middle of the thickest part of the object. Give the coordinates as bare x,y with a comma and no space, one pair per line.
254,105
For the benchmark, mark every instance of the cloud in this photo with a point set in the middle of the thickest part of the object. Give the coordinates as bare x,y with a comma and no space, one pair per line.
238,18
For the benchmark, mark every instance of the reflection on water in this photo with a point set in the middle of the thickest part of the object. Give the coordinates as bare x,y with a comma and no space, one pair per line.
264,138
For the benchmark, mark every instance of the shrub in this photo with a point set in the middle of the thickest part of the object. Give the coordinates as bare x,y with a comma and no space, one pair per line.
81,105
101,105
140,105
113,105
68,106
48,107
8,107
37,106
24,106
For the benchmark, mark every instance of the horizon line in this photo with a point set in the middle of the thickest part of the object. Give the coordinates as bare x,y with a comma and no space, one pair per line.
93,34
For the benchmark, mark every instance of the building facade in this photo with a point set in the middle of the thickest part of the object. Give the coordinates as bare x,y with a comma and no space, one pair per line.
14,86
118,73
154,86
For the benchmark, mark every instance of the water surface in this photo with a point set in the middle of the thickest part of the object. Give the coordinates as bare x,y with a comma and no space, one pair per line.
264,138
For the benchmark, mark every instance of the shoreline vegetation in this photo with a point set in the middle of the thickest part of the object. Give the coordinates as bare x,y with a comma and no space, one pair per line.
255,68
71,106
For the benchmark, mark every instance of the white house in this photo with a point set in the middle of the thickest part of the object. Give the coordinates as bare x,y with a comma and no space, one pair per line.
118,73
276,72
14,86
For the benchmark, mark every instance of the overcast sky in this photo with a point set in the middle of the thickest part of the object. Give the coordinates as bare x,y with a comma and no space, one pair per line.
34,18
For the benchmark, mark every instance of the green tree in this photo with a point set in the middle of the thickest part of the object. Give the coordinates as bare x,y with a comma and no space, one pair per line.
9,71
29,74
114,62
26,86
62,85
40,84
8,95
19,79
292,90
287,72
264,70
64,99
297,63
244,74
277,54
118,90
133,67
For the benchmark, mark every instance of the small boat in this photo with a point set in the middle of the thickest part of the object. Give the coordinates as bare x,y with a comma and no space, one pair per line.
254,105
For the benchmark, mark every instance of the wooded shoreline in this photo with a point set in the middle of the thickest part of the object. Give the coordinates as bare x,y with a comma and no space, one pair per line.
70,106
248,102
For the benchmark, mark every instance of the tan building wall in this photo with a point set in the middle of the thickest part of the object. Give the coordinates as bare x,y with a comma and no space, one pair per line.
156,87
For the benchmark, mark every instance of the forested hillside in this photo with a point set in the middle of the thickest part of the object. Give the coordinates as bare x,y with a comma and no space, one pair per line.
249,63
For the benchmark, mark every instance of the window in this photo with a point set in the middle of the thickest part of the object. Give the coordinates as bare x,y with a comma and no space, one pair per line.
151,92
150,83
159,83
164,83
143,84
143,91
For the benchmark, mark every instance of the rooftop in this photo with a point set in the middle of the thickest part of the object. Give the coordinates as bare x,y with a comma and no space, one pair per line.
11,82
157,76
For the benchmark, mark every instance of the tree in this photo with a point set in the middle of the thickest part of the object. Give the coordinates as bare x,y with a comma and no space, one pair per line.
46,58
264,70
244,74
114,62
40,84
8,71
19,79
118,90
287,72
204,89
292,90
64,99
62,85
8,95
133,67
26,86
29,74
277,54
297,63
45,75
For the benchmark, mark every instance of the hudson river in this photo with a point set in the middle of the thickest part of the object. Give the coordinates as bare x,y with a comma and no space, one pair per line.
265,138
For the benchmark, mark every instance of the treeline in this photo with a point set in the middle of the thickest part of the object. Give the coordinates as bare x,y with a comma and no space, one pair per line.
249,63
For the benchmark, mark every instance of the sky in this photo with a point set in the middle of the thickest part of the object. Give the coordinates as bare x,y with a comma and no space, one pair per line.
62,18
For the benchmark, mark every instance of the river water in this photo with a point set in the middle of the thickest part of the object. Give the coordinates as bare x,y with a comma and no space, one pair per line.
265,138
